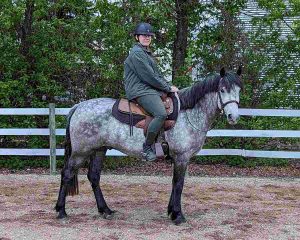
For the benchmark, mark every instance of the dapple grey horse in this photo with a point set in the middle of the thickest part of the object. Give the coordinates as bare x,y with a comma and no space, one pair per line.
92,129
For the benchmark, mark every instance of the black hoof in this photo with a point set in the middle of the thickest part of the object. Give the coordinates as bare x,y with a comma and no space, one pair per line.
109,215
62,215
178,218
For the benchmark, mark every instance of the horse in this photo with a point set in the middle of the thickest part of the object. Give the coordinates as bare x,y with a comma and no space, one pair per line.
91,130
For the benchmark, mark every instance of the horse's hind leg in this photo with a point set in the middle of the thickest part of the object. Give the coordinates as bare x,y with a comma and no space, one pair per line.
68,184
94,172
61,202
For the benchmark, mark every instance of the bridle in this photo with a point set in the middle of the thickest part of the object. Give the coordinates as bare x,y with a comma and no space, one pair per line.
223,105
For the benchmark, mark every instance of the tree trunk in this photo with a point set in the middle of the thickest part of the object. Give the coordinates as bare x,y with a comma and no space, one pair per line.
25,29
180,43
25,32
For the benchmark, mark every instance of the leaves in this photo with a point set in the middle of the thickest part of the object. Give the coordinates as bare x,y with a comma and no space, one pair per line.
76,50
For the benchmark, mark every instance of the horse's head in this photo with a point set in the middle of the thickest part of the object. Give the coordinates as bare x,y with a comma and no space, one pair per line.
229,94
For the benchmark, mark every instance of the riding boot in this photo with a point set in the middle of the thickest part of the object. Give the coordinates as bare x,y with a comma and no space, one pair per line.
154,106
148,154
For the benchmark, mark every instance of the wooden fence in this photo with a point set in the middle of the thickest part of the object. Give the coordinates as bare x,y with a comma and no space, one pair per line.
52,132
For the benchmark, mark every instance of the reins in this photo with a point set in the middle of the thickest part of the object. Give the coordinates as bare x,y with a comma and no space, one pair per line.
187,116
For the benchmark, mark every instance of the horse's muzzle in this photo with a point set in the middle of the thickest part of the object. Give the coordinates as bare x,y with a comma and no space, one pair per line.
233,118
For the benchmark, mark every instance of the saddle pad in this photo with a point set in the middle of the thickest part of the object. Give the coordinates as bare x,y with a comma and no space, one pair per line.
135,108
124,117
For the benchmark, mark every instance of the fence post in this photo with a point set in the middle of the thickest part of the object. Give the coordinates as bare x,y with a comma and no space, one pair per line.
52,138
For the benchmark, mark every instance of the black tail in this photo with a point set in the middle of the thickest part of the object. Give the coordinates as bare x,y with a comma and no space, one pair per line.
72,188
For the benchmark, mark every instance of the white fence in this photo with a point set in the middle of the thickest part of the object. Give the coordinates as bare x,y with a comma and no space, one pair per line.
52,132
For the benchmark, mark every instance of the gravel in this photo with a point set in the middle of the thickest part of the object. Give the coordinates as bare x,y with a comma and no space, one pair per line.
215,208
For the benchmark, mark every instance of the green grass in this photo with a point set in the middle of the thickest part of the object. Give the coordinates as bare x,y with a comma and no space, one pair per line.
238,161
112,163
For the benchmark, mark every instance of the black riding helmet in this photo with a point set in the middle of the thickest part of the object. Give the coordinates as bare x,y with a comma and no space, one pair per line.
144,29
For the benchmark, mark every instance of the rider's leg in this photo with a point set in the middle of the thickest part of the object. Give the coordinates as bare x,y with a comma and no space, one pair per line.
155,107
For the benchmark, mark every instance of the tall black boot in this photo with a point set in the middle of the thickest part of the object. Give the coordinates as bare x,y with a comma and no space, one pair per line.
148,154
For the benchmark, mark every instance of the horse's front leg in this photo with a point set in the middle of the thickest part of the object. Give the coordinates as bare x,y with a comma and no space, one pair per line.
174,207
96,162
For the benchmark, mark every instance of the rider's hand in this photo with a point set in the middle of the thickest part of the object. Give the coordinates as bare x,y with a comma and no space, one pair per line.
174,89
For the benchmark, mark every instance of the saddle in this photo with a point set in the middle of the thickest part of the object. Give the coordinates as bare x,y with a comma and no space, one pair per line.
132,114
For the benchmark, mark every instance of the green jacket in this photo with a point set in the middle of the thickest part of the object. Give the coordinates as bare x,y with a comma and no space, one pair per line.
141,74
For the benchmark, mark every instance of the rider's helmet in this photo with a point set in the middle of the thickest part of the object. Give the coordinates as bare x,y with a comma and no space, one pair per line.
144,29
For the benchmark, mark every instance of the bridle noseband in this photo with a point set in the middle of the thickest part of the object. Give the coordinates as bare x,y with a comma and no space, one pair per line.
224,104
221,101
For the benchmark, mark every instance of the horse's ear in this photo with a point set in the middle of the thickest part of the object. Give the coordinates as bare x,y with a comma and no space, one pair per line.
222,72
239,71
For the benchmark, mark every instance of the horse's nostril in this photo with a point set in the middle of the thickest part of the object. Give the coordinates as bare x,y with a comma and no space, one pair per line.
230,116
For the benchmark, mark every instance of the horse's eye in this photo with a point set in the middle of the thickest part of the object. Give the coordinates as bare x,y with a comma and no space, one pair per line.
222,90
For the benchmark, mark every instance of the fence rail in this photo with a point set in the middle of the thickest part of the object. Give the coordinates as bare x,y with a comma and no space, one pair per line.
52,132
65,111
210,133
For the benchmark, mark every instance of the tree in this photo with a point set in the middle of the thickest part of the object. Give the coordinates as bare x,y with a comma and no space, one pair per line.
279,53
183,10
67,51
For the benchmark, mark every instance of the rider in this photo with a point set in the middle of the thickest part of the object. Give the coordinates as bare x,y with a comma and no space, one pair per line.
145,84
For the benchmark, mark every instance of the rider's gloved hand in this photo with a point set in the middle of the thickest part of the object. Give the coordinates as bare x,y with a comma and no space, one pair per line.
174,89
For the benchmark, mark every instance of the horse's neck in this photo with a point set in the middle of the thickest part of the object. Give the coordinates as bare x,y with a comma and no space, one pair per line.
204,112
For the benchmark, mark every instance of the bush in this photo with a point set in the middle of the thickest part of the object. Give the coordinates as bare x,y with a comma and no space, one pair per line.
21,163
239,161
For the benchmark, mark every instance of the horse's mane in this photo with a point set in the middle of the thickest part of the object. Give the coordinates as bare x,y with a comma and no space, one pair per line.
191,95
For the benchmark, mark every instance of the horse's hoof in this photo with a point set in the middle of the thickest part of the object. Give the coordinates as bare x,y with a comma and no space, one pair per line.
179,220
108,216
64,221
62,215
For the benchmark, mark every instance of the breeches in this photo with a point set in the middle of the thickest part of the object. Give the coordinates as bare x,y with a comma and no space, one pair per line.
155,107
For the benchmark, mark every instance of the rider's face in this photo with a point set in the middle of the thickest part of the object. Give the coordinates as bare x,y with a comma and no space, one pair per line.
145,40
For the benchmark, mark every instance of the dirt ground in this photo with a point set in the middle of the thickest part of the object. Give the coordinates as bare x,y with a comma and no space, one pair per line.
215,208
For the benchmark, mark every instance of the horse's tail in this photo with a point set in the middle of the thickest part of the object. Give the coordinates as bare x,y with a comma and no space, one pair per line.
72,188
